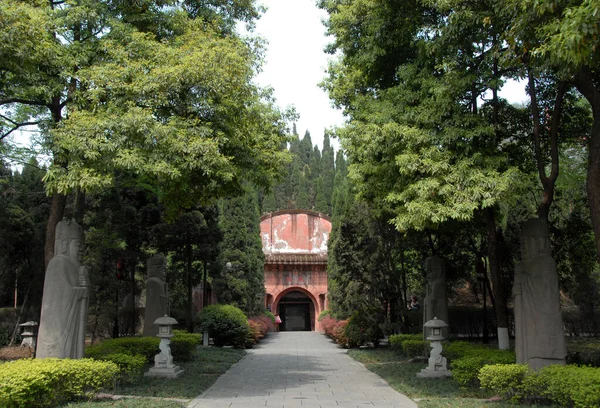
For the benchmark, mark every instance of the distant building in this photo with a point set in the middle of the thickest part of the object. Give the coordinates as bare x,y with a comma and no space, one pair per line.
295,247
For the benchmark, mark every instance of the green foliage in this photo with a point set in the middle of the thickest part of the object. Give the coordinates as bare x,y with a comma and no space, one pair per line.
415,348
226,324
569,385
584,352
465,370
144,346
270,316
324,314
397,339
505,380
184,345
200,373
241,285
363,328
47,382
130,366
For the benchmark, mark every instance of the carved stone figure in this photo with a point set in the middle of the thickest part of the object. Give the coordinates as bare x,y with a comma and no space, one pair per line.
156,293
539,336
435,303
65,299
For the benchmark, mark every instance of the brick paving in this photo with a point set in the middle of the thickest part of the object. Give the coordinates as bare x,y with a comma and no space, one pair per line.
299,369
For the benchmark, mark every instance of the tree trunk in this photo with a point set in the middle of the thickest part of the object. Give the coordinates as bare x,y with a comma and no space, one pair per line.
189,303
57,211
497,282
593,179
584,82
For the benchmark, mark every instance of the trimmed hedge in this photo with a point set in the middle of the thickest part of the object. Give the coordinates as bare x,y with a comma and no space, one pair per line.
130,366
568,386
144,346
415,348
226,324
466,359
47,382
397,339
183,345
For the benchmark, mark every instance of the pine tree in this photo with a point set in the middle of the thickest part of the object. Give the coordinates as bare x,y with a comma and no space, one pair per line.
243,284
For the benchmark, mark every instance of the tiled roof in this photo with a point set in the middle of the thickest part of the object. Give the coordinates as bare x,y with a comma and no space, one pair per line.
296,258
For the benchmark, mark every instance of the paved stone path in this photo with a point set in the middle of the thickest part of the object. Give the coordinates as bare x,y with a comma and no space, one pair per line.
299,369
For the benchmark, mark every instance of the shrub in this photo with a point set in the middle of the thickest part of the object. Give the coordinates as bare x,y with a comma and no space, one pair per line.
145,346
328,323
506,380
271,316
583,353
338,334
254,333
47,382
415,348
226,324
397,339
459,349
363,328
130,366
184,345
265,323
324,314
466,369
569,386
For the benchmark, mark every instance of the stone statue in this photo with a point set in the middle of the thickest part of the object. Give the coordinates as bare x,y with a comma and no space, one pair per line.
156,293
435,303
65,299
539,336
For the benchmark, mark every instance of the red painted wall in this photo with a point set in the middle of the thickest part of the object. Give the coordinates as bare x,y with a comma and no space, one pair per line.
295,247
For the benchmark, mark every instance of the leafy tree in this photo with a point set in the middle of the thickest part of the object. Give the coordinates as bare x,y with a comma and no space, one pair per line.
160,89
561,38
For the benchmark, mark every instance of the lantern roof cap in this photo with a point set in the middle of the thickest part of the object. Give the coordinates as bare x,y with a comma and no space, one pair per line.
436,323
28,324
165,321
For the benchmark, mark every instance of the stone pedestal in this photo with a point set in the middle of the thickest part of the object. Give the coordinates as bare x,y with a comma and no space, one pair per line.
437,367
163,361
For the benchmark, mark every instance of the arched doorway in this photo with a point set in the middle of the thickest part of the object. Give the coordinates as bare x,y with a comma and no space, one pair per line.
296,311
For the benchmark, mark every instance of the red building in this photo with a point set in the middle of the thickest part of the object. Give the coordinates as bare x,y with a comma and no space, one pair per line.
295,247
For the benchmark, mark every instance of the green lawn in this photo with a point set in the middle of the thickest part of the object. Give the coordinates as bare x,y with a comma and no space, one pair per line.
201,373
429,393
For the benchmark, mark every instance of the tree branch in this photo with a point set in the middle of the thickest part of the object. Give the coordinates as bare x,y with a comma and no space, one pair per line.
22,101
536,128
16,125
554,124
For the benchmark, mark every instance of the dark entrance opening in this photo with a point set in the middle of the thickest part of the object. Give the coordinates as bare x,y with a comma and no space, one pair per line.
295,311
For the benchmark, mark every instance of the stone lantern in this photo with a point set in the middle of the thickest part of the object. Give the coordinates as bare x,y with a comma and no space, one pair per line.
29,334
437,367
163,361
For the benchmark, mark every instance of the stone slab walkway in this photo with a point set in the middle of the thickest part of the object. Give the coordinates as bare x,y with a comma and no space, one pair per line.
299,369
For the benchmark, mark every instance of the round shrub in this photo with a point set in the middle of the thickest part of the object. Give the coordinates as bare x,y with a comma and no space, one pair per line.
226,324
505,380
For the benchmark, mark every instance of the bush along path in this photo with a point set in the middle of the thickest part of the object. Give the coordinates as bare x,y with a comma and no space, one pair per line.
482,377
